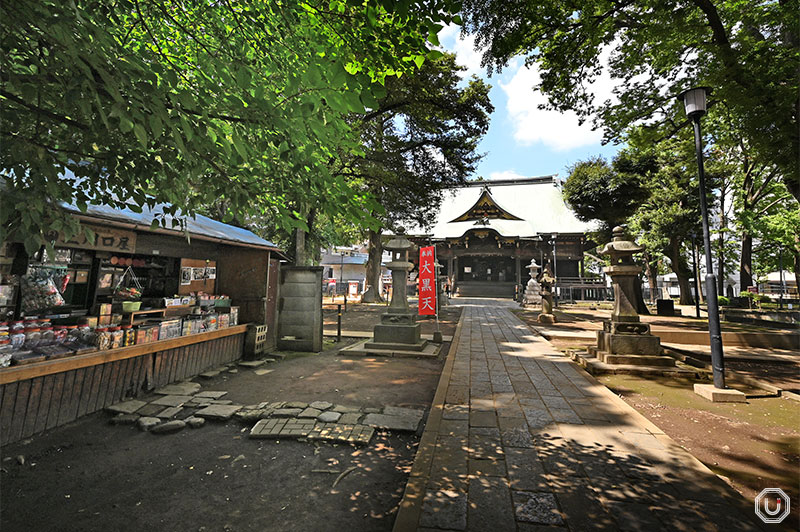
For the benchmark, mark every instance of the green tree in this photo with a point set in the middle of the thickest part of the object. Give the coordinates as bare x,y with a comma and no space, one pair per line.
747,52
138,102
419,141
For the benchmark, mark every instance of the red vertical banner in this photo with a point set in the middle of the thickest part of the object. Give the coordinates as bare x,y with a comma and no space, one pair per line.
427,281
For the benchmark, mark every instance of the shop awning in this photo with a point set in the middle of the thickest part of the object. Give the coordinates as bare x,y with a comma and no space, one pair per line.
198,226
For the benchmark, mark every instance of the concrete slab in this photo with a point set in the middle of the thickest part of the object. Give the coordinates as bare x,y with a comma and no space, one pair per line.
430,350
180,388
218,412
719,395
126,407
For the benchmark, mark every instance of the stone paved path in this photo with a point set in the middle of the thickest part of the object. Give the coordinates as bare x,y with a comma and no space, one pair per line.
521,439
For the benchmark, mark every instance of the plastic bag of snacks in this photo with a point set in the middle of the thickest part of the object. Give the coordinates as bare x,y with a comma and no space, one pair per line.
39,292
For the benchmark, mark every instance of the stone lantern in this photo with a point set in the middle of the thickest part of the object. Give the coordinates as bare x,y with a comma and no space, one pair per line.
547,280
533,294
398,329
624,338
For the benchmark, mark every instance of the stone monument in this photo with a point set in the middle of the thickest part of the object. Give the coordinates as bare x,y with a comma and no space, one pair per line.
547,280
624,338
398,329
533,292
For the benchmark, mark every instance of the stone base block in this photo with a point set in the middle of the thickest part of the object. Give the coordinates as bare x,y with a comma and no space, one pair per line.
397,333
635,360
546,319
394,346
719,395
628,344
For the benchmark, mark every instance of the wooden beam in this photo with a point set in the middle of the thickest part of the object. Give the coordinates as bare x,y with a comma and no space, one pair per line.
29,371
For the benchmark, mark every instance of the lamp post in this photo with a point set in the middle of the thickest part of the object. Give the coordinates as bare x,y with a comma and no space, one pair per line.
780,269
694,101
696,277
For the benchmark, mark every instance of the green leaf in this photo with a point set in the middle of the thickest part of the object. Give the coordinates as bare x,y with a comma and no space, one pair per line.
141,134
125,124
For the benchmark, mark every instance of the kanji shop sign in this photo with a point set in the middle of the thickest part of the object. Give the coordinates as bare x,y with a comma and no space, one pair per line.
427,281
105,239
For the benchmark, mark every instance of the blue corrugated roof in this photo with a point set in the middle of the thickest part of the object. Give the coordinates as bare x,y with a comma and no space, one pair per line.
198,225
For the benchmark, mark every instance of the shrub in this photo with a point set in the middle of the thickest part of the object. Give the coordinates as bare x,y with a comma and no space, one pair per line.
723,301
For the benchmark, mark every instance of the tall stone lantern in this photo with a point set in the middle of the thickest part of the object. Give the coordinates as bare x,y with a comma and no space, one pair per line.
624,338
533,292
398,328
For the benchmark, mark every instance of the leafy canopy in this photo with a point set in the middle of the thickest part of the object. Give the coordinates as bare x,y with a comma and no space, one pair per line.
137,102
747,52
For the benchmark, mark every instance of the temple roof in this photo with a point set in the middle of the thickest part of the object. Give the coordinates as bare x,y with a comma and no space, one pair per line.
513,207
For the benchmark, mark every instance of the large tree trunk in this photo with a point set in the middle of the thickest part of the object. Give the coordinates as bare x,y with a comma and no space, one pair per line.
746,262
681,271
372,293
300,255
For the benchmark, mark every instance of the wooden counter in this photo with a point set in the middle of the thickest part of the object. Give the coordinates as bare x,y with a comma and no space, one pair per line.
43,395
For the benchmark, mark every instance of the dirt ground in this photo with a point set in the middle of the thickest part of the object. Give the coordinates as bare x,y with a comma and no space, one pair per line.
91,476
754,445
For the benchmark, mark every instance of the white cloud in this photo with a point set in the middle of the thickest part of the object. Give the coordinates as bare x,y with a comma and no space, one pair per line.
505,174
464,48
556,130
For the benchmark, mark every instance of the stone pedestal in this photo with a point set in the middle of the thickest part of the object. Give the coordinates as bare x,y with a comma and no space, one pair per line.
398,329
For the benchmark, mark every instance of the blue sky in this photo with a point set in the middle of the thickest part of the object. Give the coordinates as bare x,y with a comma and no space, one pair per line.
523,140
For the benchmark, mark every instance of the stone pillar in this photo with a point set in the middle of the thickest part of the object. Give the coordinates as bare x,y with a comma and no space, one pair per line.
547,280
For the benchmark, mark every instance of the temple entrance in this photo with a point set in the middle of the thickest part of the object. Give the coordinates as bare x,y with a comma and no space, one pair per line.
487,269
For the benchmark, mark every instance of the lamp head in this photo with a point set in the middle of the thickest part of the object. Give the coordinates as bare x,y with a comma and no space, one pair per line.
695,101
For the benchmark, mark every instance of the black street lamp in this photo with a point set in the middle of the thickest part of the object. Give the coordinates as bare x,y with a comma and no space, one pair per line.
696,277
694,100
555,269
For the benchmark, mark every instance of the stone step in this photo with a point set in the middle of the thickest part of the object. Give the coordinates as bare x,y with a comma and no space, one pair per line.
597,367
635,360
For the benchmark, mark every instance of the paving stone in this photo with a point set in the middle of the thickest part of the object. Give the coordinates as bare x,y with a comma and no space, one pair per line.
372,410
454,427
169,427
233,370
538,508
333,417
297,428
211,394
150,410
487,468
525,470
199,401
219,412
310,413
321,405
252,414
516,437
251,363
260,372
274,405
125,419
210,374
296,404
345,409
482,419
446,509
180,388
146,422
169,412
221,402
457,412
195,422
489,505
382,421
126,407
484,442
352,418
411,413
286,412
268,428
172,400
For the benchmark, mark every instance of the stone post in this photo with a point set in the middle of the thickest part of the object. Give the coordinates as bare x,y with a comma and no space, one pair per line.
547,280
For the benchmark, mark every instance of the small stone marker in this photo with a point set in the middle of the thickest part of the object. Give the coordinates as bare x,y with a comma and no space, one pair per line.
398,423
220,412
309,413
286,412
146,423
126,407
329,417
172,400
263,371
124,419
321,405
170,426
195,422
210,394
251,363
181,388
